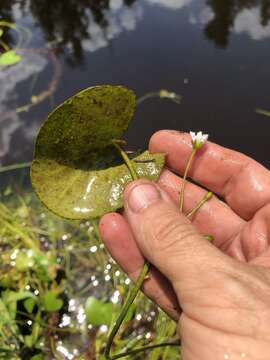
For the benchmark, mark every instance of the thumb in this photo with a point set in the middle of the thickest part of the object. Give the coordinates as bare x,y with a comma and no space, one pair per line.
169,240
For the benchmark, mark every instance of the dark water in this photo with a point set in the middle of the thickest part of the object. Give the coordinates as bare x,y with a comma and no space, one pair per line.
216,54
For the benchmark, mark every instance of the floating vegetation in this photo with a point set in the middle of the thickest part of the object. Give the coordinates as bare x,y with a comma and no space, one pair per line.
78,171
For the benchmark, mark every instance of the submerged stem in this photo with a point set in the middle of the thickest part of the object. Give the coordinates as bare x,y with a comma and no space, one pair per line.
4,45
147,96
131,297
185,178
145,348
14,167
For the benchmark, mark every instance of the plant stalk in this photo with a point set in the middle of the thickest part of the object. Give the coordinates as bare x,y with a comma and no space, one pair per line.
131,297
209,238
184,180
206,198
4,45
14,167
145,348
134,291
127,161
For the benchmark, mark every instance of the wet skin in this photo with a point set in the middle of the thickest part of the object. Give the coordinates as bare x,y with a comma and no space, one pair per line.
219,293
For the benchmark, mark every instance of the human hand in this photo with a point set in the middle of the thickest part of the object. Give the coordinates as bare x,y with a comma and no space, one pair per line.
220,292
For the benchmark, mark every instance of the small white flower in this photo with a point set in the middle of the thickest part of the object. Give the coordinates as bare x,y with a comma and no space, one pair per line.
198,139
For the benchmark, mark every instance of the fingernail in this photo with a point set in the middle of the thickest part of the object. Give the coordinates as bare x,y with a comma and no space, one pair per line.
142,196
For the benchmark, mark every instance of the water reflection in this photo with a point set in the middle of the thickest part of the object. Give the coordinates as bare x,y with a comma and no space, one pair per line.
69,30
171,4
30,66
84,25
250,22
75,26
250,16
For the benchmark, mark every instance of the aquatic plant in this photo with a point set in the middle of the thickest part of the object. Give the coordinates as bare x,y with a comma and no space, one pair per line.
80,169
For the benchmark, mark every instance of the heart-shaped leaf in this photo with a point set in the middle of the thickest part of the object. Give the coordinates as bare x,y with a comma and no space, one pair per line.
51,302
77,172
97,312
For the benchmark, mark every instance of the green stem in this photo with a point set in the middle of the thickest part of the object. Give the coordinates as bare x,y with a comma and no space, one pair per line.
147,96
4,45
209,238
206,198
14,167
131,297
134,291
127,161
263,112
185,178
145,348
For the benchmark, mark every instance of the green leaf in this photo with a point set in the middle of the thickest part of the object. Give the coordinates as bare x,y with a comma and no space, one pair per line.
77,172
30,340
29,305
5,316
11,298
1,32
9,58
7,319
37,357
97,312
51,302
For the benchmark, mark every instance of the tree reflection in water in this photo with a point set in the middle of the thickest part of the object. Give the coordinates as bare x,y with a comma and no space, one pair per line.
225,12
72,27
67,22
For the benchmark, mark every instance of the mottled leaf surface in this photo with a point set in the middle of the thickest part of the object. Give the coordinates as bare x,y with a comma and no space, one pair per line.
77,172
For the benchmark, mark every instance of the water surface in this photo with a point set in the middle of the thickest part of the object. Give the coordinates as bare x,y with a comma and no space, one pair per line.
214,53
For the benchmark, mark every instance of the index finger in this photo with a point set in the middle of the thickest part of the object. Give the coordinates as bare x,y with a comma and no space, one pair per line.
240,180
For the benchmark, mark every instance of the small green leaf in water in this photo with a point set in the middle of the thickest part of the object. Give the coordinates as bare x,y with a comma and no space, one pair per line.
37,357
29,305
51,302
97,312
77,172
9,58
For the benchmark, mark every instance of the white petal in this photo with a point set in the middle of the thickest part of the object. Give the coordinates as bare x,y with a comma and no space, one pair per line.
193,135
